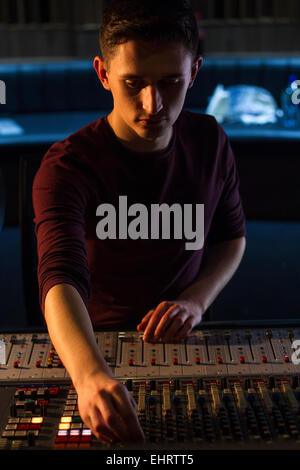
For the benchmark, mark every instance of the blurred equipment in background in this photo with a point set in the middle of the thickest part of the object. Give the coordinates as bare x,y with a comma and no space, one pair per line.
243,103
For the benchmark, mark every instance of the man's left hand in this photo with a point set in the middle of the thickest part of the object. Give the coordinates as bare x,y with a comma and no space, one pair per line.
171,321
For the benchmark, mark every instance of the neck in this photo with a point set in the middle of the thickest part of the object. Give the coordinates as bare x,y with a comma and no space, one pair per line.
133,142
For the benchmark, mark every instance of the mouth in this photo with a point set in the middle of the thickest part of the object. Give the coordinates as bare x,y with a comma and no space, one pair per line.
151,122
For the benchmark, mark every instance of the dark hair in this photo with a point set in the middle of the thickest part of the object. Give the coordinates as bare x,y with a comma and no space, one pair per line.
147,20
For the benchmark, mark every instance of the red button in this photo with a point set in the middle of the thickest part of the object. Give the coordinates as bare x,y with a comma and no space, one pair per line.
197,360
61,439
264,359
16,364
242,360
220,360
22,426
153,361
175,361
286,358
35,426
74,439
38,363
131,362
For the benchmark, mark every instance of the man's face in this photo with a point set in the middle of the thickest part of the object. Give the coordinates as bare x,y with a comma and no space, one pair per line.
148,82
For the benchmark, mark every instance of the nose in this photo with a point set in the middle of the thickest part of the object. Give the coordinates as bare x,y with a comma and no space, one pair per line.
151,100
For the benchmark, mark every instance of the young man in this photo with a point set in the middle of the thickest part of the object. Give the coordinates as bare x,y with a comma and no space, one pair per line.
151,152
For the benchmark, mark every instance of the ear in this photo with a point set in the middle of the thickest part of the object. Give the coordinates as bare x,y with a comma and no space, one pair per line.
196,66
101,70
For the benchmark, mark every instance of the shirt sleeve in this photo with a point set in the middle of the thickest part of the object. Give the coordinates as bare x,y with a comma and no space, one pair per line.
60,197
229,218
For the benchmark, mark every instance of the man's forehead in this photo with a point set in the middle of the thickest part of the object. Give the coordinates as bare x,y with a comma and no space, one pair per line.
137,58
134,75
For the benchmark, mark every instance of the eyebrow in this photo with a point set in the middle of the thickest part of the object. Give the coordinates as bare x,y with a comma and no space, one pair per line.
133,76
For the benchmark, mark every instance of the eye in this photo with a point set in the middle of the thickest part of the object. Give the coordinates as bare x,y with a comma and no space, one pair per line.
134,84
170,81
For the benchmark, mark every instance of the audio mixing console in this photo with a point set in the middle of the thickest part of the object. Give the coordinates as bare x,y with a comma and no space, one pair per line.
224,387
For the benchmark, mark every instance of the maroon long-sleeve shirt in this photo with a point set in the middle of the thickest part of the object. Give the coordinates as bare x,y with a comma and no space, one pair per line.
120,280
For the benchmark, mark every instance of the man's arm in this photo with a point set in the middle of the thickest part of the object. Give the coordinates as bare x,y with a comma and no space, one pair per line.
104,404
174,320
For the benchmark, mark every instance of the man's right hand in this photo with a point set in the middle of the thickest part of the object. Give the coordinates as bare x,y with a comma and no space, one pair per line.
108,409
105,405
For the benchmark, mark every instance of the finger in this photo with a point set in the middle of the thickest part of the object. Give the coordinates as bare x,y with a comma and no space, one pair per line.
111,417
127,409
145,320
166,321
175,327
154,320
185,331
98,427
